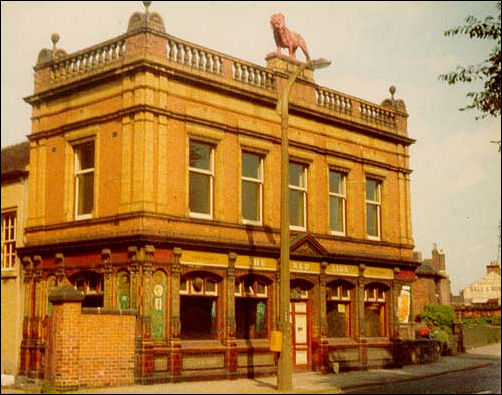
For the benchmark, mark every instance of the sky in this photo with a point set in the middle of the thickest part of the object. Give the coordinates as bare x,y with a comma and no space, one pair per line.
455,184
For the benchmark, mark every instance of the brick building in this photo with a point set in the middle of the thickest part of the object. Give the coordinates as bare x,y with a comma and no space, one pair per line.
15,160
432,284
155,194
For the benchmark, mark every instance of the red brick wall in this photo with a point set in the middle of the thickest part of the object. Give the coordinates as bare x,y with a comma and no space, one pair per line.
424,293
89,350
107,344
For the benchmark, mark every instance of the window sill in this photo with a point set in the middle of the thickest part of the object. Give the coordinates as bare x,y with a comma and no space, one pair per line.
335,233
341,341
196,345
9,273
253,343
207,217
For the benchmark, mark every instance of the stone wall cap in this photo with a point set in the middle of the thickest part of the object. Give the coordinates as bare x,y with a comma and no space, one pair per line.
66,293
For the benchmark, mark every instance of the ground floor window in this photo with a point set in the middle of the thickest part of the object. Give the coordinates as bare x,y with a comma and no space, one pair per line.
199,306
198,317
338,307
251,295
375,297
90,284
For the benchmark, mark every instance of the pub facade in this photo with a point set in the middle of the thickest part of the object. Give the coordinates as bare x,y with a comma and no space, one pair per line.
155,195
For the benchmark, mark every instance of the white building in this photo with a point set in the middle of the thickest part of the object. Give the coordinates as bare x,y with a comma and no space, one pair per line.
485,289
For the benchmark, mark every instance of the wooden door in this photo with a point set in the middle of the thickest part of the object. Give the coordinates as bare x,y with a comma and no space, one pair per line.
300,335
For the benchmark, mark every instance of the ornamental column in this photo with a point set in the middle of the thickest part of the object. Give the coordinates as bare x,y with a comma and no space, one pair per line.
39,345
146,362
323,354
24,367
363,350
106,260
175,358
231,354
134,270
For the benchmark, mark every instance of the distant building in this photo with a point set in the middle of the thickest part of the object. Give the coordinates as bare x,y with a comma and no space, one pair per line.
15,160
432,284
485,290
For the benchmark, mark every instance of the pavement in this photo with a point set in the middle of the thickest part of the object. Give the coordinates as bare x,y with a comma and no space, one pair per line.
310,382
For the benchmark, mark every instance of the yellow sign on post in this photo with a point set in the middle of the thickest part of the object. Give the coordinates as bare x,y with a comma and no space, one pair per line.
276,341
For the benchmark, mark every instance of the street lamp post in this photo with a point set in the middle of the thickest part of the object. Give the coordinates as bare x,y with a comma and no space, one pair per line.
285,364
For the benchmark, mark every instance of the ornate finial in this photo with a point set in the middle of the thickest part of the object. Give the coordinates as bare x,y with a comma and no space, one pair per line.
397,104
54,39
147,20
392,90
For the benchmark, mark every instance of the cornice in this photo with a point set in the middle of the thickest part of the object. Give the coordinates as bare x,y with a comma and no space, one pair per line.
213,83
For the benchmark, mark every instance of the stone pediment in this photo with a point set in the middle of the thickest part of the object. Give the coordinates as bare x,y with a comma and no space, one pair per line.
307,245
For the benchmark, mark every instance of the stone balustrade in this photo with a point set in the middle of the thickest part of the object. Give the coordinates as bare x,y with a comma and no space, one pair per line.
194,56
88,60
367,112
203,60
200,58
254,75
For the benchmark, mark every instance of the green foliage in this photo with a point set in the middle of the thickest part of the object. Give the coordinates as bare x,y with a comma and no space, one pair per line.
482,321
487,100
438,315
442,337
47,388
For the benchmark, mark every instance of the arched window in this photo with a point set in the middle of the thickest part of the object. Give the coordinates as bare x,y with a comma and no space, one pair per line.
251,308
338,307
199,306
90,284
299,289
375,306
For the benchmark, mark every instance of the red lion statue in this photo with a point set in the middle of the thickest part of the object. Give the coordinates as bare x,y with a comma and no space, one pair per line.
285,38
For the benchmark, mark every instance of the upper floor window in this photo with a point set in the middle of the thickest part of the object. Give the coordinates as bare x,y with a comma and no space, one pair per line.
201,169
252,188
8,240
297,196
337,200
84,180
373,212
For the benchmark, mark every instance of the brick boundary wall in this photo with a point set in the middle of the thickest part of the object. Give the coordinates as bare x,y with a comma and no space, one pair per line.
480,335
89,347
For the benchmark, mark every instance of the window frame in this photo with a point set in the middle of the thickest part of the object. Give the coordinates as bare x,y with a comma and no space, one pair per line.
259,181
343,197
372,297
9,257
335,295
304,191
212,297
378,207
209,173
252,296
81,172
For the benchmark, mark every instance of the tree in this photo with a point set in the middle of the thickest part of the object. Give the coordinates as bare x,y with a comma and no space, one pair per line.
488,99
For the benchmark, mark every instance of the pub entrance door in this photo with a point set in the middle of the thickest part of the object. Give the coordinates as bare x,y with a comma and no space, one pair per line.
300,335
